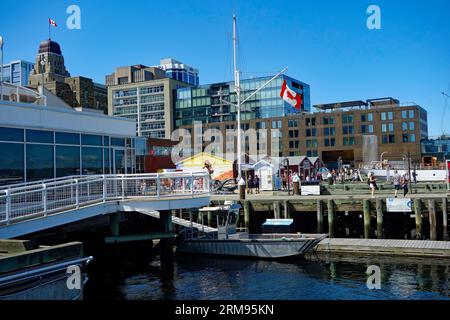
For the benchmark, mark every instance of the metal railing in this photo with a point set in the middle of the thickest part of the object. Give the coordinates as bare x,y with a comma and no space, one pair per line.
42,199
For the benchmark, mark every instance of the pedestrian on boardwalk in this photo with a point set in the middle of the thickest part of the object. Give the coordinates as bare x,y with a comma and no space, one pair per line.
250,185
330,178
372,181
284,181
405,184
396,179
256,183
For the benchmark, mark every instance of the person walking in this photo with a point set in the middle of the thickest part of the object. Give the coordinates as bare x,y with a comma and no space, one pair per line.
250,185
396,179
372,181
330,178
284,181
256,183
405,184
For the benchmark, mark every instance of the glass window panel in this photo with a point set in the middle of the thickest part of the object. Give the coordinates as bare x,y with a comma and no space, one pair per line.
411,114
39,136
412,138
40,163
91,140
369,117
67,138
67,161
11,134
118,142
411,126
92,160
106,141
11,165
107,164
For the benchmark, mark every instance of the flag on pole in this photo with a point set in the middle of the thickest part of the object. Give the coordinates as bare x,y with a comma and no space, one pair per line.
290,96
52,22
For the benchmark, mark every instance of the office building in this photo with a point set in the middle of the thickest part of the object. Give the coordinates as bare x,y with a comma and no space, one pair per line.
41,137
78,92
17,72
146,95
436,151
180,71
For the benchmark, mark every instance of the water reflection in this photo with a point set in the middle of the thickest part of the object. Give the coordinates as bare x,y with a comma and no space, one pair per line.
316,277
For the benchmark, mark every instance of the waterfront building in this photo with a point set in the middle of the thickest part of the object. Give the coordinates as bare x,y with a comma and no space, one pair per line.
78,92
180,71
436,151
42,137
356,132
17,72
146,95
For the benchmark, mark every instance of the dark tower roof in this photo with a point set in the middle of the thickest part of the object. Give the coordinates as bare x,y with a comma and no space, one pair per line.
49,46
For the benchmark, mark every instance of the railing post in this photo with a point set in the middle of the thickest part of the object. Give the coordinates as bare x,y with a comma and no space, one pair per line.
44,198
8,206
104,188
158,185
192,184
123,187
77,193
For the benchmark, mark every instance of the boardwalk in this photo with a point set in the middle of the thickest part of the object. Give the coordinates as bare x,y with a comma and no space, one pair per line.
419,248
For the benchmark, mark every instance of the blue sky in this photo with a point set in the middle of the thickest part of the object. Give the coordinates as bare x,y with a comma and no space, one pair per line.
324,43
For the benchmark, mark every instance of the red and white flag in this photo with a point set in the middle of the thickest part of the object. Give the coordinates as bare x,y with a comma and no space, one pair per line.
52,22
290,96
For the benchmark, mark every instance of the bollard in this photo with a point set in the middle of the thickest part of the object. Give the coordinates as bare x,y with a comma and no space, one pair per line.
241,184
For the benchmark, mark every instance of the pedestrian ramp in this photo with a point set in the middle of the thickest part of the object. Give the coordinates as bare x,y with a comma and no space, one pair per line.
181,222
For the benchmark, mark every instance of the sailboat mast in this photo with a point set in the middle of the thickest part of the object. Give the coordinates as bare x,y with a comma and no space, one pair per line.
237,85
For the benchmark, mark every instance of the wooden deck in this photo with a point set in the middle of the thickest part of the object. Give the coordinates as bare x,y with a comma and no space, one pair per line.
417,248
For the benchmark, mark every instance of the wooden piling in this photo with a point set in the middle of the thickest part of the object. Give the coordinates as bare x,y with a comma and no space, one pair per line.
276,209
379,207
432,216
331,218
319,216
444,219
247,214
286,209
418,214
114,222
366,213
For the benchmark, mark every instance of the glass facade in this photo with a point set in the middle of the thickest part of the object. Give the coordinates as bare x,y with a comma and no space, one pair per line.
29,154
215,103
17,72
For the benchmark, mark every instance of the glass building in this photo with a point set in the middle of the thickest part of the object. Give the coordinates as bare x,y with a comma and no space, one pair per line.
179,71
213,103
17,72
43,139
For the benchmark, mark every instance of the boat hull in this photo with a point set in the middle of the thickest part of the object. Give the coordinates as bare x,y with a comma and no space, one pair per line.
249,248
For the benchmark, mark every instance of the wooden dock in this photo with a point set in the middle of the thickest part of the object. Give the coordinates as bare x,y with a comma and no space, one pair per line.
416,248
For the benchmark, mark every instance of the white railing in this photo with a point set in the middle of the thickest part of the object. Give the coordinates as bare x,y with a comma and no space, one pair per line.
42,199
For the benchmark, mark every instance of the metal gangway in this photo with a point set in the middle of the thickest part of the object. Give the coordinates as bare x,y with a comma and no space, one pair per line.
183,222
48,198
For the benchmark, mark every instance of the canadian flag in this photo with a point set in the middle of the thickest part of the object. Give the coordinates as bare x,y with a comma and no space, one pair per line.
52,22
290,96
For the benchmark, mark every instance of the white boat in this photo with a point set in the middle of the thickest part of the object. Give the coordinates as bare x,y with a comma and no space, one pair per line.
226,241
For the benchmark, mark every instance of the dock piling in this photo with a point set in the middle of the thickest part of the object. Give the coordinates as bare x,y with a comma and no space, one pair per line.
276,209
444,219
247,214
379,208
418,213
366,213
286,209
331,218
432,216
319,216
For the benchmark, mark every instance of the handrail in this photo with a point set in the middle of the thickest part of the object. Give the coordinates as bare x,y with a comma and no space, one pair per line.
31,201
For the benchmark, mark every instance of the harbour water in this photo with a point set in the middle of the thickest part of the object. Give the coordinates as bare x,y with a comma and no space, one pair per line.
311,278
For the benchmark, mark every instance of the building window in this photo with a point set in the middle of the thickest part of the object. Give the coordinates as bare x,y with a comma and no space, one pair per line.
383,128
411,126
348,141
347,118
383,116
404,126
11,134
39,136
370,117
11,165
92,161
292,123
412,137
329,142
67,138
388,138
310,122
411,114
370,127
39,162
404,114
67,161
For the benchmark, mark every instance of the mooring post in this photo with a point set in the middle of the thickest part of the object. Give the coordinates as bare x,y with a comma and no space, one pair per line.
432,215
418,213
166,254
331,218
319,216
114,222
247,214
379,207
366,213
286,209
276,209
444,219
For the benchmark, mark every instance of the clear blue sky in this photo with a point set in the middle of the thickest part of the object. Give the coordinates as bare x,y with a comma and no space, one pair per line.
324,43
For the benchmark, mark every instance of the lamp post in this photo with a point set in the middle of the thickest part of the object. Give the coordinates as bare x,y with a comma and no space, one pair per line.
1,68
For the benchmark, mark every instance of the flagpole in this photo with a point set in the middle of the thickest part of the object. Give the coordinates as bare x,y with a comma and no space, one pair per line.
49,31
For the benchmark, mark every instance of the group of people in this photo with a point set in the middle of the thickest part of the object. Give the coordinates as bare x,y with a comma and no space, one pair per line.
400,182
342,176
253,183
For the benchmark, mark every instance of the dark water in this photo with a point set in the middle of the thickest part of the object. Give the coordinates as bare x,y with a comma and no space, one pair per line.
313,278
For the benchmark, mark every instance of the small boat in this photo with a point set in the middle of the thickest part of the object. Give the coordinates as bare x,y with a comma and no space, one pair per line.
226,241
